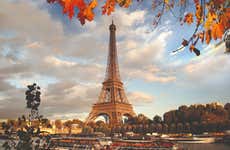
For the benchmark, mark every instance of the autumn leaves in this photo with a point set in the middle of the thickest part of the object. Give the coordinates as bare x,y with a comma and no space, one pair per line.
211,17
85,10
110,5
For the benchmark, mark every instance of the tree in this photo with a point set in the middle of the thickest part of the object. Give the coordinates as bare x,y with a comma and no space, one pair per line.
195,127
26,127
180,128
159,127
77,121
68,125
87,130
58,124
33,96
227,108
145,128
45,123
183,108
165,128
157,119
172,128
210,17
187,127
142,119
168,117
153,127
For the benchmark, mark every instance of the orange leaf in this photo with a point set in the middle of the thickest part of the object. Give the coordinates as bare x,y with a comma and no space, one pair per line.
158,15
199,14
218,2
88,13
201,36
208,36
85,12
124,3
188,18
217,31
80,4
211,18
214,28
184,43
68,8
191,48
108,7
224,19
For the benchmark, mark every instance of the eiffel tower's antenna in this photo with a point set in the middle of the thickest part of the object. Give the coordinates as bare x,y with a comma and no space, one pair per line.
112,19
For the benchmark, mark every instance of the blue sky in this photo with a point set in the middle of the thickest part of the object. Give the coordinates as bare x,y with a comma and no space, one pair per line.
40,44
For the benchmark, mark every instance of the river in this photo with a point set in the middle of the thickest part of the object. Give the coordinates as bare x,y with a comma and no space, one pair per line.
214,146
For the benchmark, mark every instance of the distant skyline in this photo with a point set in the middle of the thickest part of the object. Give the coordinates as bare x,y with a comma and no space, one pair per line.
39,44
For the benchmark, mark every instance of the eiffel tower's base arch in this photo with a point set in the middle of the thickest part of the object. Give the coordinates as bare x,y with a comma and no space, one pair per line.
114,111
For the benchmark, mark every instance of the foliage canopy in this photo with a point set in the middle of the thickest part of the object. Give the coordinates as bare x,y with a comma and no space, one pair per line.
211,17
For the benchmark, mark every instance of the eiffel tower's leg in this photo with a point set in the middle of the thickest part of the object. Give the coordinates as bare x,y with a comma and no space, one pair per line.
91,116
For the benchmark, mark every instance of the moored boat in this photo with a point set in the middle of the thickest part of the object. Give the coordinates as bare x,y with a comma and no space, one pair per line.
193,140
88,143
143,145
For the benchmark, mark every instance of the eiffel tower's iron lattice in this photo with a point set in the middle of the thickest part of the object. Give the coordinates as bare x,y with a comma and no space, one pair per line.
112,100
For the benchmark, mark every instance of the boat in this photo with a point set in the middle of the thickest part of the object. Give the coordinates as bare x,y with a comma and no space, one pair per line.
90,143
143,145
193,140
80,143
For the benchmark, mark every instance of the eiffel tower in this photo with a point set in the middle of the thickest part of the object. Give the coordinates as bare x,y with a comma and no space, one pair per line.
112,102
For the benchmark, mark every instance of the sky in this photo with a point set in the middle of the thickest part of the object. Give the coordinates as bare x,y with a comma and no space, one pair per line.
38,44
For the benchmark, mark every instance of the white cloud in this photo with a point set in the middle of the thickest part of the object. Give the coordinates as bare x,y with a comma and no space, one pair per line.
213,63
208,75
129,19
40,26
147,53
58,62
34,45
138,97
149,76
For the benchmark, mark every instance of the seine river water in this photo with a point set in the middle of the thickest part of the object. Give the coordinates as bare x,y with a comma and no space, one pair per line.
215,146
